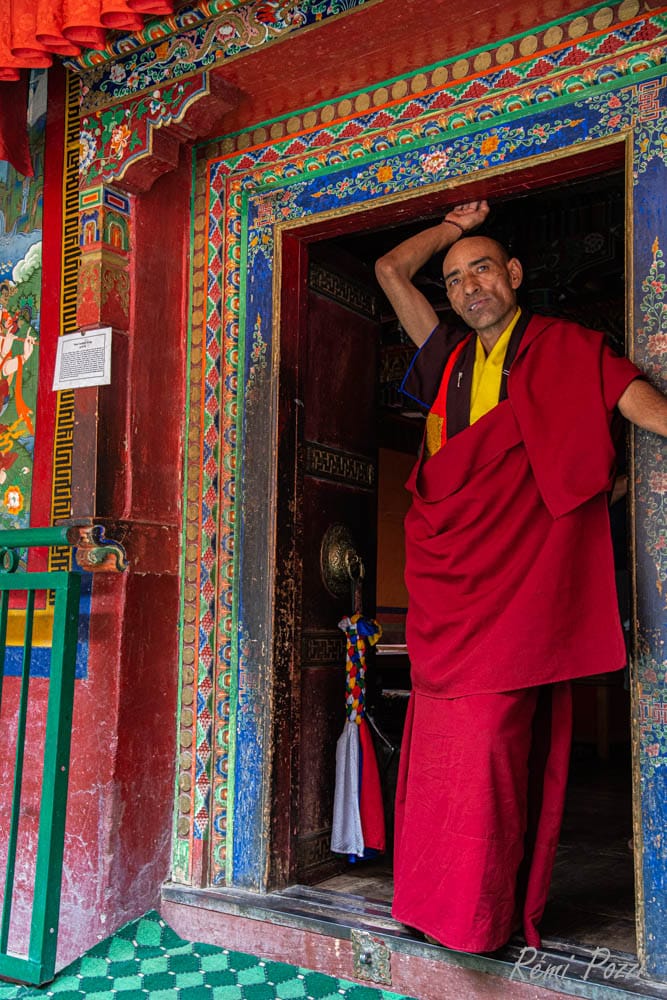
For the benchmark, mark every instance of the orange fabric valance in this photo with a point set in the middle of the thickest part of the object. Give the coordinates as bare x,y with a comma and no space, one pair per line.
33,31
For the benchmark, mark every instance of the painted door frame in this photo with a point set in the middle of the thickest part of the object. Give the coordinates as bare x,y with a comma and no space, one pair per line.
291,284
251,202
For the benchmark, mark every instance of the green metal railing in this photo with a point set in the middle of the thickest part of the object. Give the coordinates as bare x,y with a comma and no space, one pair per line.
35,963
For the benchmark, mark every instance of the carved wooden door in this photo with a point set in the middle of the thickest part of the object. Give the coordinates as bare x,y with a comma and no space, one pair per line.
337,471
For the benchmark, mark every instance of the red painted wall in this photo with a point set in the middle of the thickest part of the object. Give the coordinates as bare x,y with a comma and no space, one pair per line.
117,847
121,793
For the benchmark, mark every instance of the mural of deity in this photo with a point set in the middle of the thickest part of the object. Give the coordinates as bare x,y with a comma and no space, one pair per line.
20,294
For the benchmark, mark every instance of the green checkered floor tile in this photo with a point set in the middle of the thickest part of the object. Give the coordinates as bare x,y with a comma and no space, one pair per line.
147,960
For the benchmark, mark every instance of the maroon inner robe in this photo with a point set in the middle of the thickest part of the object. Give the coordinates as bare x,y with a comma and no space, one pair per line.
511,581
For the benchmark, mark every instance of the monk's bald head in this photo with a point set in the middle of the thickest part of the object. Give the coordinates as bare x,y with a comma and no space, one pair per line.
485,244
481,281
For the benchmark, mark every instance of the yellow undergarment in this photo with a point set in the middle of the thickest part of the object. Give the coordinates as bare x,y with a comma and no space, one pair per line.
488,373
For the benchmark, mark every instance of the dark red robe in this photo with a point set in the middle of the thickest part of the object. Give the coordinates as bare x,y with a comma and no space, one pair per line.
511,581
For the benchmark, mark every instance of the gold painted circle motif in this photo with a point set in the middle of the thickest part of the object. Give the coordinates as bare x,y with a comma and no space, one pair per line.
505,53
528,45
603,18
628,9
553,36
482,61
578,27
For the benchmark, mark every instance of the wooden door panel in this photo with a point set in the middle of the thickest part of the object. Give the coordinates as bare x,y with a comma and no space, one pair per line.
341,366
338,472
324,503
322,719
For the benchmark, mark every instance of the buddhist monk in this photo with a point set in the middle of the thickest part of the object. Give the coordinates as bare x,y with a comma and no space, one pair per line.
510,575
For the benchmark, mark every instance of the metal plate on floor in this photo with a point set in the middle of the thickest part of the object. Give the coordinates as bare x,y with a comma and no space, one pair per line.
371,958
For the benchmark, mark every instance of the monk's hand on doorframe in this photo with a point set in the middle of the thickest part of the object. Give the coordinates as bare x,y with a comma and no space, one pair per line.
645,406
469,215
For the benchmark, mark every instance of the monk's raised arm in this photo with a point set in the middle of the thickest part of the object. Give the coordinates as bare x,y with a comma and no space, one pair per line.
397,268
645,406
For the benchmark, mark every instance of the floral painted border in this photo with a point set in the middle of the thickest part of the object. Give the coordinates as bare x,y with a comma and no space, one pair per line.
244,186
276,193
456,93
113,139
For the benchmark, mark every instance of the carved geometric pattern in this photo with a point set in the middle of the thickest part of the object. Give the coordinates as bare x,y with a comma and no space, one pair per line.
343,290
322,647
313,850
61,498
328,463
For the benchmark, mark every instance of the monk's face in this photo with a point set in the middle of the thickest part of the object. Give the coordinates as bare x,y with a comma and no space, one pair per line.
481,284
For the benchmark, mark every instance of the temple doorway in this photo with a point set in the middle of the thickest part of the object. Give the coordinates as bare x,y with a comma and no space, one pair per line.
357,444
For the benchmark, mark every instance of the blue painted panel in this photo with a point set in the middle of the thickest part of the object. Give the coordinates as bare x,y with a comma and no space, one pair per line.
650,349
40,664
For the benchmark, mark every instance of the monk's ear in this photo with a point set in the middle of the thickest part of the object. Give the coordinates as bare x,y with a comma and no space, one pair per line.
515,271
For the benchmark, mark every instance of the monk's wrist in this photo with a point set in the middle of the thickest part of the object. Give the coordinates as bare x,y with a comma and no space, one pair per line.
456,225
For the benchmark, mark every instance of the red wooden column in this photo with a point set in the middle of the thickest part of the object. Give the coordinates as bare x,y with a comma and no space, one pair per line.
126,476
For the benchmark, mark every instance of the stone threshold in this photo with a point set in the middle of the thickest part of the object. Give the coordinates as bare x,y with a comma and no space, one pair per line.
348,935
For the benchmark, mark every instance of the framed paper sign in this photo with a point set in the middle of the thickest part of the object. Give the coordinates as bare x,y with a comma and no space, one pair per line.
83,359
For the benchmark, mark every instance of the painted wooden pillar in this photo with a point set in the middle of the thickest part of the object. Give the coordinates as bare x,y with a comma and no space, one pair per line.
126,447
650,527
103,300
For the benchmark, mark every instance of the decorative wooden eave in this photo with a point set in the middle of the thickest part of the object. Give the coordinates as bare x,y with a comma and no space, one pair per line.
148,92
218,64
